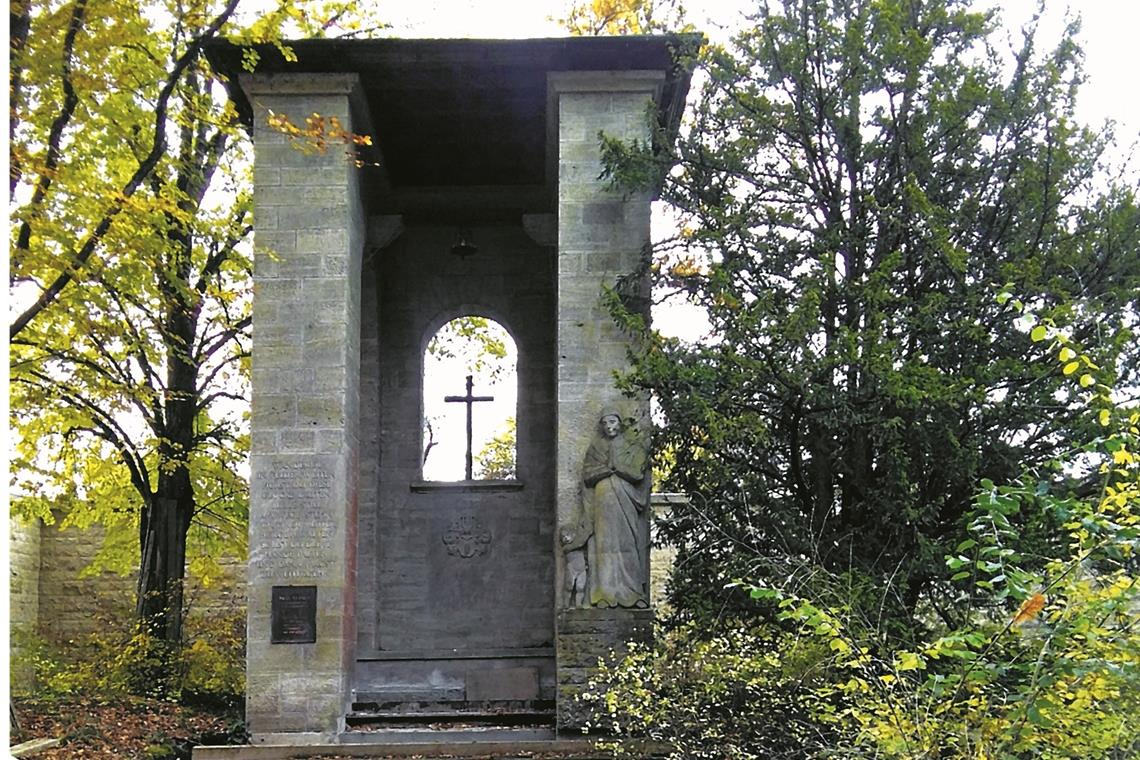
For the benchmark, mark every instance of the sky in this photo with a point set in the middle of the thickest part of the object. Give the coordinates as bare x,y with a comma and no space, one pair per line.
1112,56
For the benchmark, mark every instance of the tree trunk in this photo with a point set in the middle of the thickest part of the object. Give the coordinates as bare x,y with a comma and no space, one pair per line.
163,568
167,520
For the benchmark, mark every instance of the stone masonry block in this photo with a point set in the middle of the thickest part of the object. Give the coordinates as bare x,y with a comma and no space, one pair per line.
297,440
263,440
321,411
283,355
325,353
271,242
289,264
328,217
288,159
266,176
273,412
273,290
327,289
335,265
322,241
265,218
602,213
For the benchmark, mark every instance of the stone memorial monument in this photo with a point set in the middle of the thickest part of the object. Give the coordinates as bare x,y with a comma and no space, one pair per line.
376,595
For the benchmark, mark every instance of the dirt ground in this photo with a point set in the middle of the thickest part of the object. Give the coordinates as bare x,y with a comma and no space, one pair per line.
147,729
121,730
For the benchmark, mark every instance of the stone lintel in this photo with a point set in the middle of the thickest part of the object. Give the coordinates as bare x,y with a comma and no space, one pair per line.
300,83
635,80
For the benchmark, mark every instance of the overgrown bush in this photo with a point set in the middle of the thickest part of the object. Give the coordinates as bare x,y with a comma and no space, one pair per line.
1037,654
738,694
118,663
212,666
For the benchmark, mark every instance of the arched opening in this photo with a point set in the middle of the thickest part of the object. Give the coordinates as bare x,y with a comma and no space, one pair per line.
470,397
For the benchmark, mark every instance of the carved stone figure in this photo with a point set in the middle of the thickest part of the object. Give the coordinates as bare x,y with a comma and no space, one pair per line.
613,527
576,579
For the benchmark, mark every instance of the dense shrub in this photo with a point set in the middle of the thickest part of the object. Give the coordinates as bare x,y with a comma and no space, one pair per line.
117,663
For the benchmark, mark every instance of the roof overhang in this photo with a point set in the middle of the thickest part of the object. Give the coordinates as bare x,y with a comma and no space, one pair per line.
465,124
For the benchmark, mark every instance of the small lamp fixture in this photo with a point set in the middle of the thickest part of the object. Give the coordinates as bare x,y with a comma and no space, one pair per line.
463,247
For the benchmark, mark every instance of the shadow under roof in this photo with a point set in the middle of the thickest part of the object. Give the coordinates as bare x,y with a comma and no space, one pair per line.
464,121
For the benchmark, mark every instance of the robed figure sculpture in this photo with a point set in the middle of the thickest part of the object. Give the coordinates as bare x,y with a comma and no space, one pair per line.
607,547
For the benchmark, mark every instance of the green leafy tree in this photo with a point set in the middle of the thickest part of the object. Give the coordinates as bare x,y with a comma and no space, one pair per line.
473,341
856,182
496,460
596,18
130,263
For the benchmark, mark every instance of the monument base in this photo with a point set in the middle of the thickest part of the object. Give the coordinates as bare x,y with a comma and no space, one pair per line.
573,749
586,637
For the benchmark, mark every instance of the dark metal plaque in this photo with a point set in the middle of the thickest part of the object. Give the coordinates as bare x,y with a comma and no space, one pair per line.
293,615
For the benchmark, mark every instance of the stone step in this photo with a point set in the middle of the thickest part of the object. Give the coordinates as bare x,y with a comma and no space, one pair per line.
371,717
373,705
435,746
450,733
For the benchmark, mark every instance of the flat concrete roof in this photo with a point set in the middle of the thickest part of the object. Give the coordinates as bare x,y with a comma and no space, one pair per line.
462,123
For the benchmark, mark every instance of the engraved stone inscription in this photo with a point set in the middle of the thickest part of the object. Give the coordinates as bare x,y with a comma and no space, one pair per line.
293,615
466,537
300,539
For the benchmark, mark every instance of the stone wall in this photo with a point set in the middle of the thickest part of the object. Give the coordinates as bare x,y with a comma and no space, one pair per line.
417,602
603,233
23,596
53,602
73,608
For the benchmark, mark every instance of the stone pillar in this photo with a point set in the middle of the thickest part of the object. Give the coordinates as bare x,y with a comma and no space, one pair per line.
310,233
602,236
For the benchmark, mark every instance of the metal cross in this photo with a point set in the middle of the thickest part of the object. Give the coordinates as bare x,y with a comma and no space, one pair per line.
469,400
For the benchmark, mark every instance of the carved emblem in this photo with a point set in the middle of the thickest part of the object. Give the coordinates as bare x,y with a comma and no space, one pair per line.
466,538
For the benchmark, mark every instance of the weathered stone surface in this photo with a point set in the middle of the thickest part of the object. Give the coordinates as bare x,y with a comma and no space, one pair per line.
587,637
602,233
304,472
502,684
420,598
23,598
343,310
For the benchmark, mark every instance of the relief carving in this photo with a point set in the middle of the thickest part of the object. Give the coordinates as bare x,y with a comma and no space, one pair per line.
607,546
466,538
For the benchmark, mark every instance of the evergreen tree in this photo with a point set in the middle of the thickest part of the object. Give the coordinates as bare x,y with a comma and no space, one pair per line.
858,182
